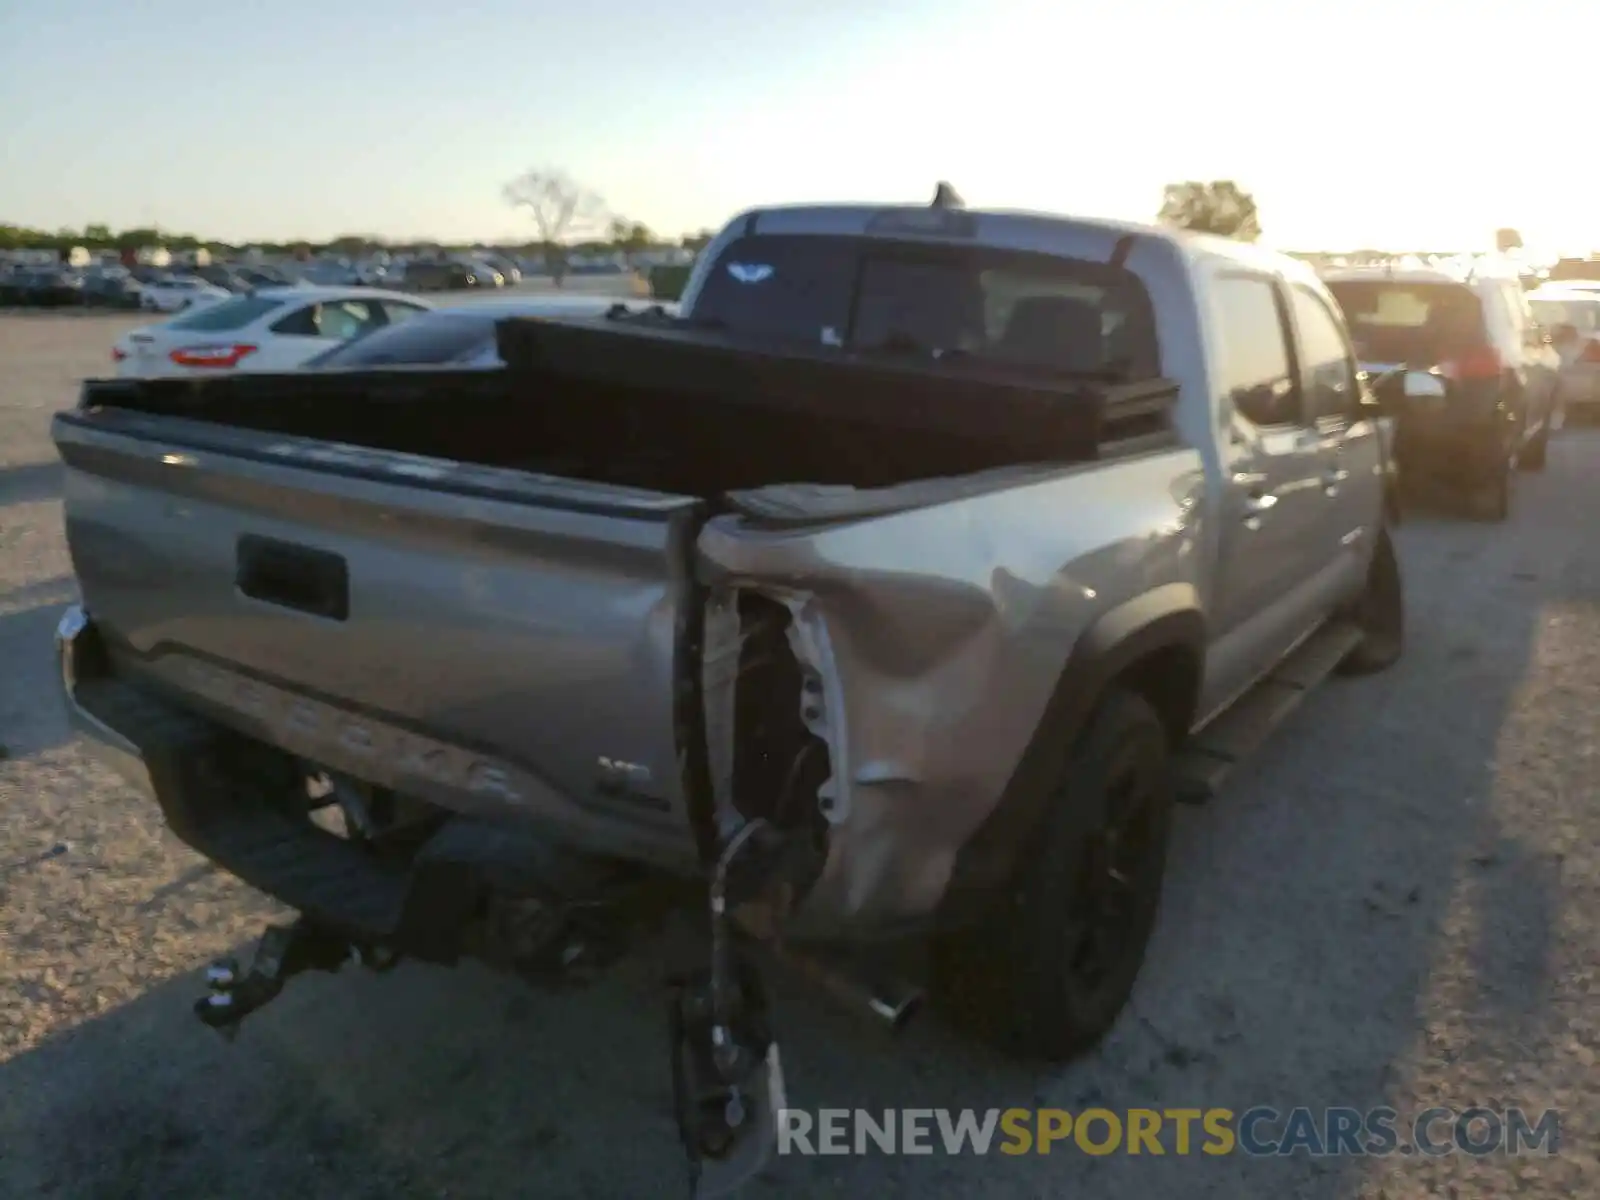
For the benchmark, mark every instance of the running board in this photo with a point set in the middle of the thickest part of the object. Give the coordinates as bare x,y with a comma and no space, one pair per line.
1210,755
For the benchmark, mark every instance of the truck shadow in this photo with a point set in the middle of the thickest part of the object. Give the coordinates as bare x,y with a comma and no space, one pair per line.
30,483
1375,894
30,719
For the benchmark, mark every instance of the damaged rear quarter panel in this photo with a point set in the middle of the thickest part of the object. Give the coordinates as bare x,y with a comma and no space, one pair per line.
939,633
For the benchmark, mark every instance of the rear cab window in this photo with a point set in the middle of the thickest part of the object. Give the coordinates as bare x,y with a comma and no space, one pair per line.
1582,315
229,315
1417,323
881,294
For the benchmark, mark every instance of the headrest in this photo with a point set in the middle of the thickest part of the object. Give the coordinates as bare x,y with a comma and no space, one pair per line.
1056,331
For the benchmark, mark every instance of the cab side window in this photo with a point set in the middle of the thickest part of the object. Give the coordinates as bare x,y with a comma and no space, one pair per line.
1327,368
1256,368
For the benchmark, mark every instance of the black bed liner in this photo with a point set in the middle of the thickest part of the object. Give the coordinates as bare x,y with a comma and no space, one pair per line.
588,390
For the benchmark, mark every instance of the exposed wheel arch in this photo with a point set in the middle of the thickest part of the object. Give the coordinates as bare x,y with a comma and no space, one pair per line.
1152,644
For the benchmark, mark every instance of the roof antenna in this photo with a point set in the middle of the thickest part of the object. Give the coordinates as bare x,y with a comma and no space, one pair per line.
945,196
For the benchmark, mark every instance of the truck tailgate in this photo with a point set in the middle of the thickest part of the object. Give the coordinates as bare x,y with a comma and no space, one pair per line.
491,640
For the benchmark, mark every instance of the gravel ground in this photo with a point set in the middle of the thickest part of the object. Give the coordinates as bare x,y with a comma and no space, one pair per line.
1396,903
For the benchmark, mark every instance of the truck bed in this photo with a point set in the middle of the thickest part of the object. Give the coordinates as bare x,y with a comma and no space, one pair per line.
676,409
480,588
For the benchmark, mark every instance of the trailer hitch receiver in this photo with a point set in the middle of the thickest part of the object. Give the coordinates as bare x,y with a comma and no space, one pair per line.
283,952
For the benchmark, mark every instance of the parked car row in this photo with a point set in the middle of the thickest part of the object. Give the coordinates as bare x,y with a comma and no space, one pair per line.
169,288
286,328
109,287
436,274
41,289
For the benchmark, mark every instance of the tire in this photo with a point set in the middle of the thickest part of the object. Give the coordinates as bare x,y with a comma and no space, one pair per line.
1380,614
1047,971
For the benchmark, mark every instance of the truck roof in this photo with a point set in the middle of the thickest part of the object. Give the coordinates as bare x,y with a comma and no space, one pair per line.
1464,275
1020,229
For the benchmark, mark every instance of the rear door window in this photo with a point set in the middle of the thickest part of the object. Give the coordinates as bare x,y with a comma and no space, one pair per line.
1419,323
1327,372
302,322
1256,368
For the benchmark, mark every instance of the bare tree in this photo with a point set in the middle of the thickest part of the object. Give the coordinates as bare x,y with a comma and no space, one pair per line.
560,207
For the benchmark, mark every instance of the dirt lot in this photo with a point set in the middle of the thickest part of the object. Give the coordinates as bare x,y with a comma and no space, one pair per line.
1398,903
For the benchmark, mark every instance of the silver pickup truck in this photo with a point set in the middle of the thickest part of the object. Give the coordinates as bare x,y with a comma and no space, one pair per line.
871,611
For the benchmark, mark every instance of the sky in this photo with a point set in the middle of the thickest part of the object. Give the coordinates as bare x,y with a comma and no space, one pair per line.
1391,124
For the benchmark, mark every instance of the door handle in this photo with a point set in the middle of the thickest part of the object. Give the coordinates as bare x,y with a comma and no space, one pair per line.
293,576
1332,479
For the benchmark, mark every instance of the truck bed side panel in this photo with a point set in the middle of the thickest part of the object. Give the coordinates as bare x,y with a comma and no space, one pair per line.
935,637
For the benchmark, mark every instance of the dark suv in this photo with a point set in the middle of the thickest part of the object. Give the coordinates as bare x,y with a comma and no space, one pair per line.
440,277
1497,370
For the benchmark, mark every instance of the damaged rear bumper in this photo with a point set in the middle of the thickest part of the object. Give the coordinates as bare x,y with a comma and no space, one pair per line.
223,798
80,661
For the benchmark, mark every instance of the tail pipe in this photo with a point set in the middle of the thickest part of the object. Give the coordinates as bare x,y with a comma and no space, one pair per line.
890,1001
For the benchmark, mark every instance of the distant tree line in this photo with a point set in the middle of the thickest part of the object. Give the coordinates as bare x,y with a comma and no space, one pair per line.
569,218
619,234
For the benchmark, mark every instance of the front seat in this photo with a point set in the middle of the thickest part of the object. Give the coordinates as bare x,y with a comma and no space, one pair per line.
1060,332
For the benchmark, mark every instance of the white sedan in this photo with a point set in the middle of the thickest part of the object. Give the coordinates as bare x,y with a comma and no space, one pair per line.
463,335
178,293
270,329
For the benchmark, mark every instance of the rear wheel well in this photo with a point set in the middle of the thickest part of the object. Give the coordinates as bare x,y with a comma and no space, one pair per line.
1169,680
